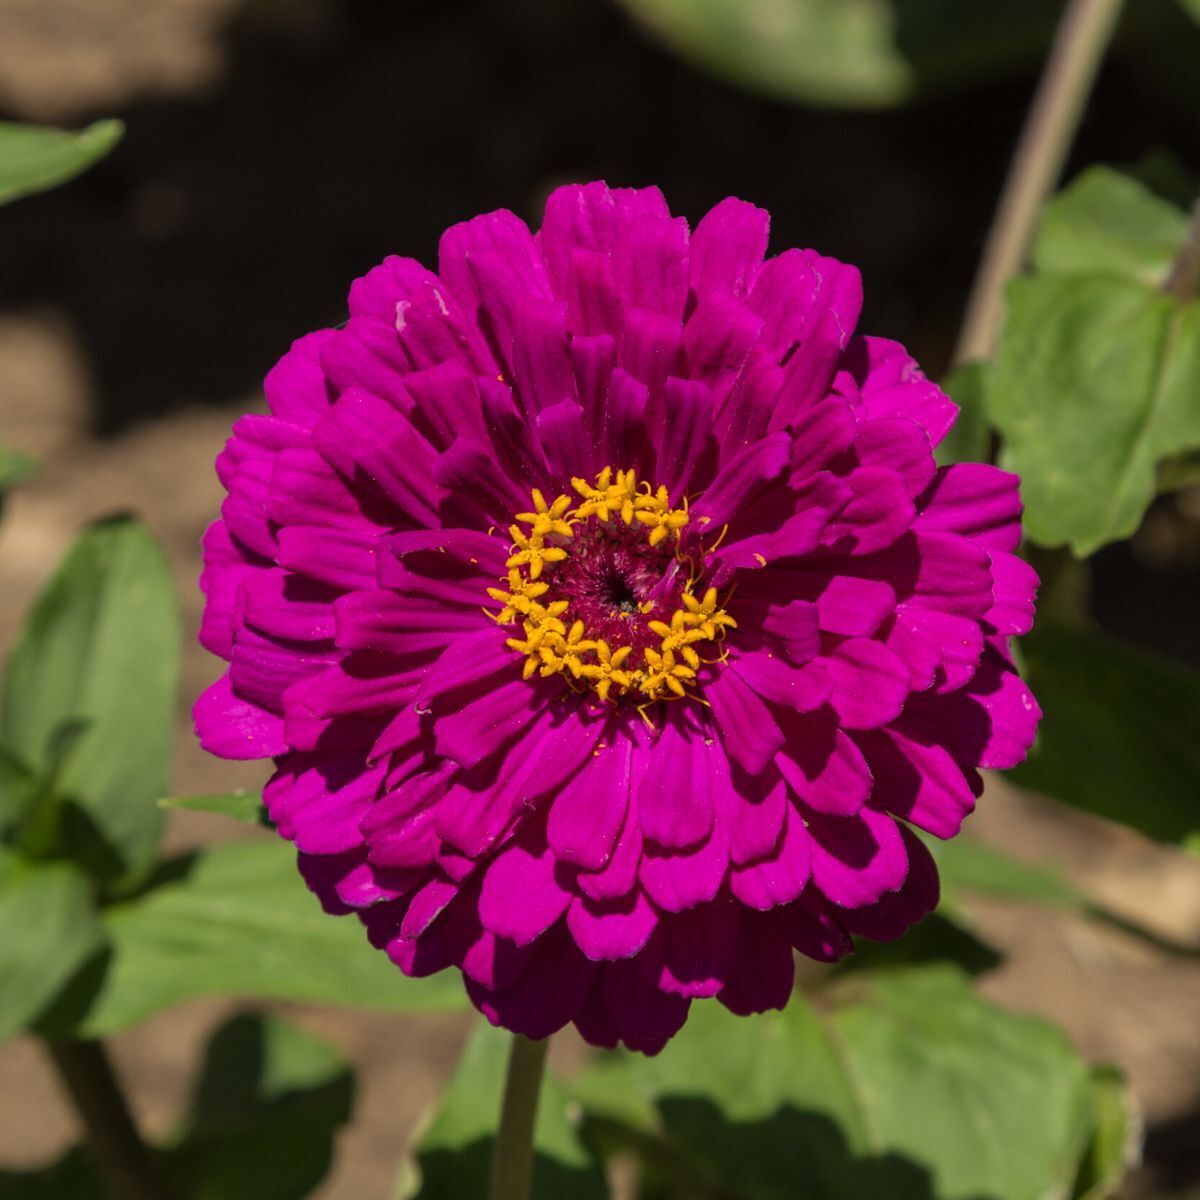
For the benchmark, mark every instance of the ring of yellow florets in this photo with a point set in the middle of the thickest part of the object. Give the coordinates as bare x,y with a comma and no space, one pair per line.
555,642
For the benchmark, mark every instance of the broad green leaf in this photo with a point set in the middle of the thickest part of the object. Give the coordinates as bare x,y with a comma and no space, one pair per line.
48,930
34,158
100,654
1192,7
1095,384
911,1087
859,53
1110,223
1121,732
969,439
453,1156
236,920
269,1101
246,807
1112,1149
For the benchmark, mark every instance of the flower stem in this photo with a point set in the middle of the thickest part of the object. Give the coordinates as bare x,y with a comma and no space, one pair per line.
1083,35
1184,280
116,1148
512,1151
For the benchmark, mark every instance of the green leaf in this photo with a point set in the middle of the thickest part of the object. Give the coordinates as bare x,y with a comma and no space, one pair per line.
859,53
454,1154
1110,223
246,807
48,930
1113,1148
966,864
1095,383
1121,734
33,158
269,1102
14,467
236,920
912,1087
1192,7
100,653
969,439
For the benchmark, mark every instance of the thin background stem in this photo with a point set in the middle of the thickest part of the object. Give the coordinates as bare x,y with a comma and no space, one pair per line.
116,1148
1083,35
512,1151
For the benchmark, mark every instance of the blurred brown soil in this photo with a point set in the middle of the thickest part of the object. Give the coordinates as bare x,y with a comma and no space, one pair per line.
1119,999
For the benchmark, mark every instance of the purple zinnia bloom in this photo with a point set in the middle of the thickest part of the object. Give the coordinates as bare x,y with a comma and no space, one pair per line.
607,617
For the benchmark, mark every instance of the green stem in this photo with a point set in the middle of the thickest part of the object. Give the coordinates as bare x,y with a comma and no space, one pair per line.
116,1148
512,1151
1083,35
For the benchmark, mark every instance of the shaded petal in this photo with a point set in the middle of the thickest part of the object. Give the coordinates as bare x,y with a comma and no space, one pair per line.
231,727
612,929
856,859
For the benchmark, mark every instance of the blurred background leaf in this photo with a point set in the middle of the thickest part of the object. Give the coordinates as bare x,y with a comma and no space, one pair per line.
99,656
856,53
452,1157
1110,223
33,158
269,1102
1095,384
48,930
1121,734
853,1100
236,920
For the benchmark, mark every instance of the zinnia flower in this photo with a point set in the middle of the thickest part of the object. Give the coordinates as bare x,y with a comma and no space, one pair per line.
607,618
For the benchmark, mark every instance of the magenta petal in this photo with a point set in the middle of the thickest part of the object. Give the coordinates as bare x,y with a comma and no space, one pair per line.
728,247
1014,588
783,874
619,875
685,878
918,782
976,501
991,723
742,478
870,684
319,804
587,814
823,766
641,1015
521,896
855,607
675,799
748,730
698,948
763,974
802,689
754,809
814,929
232,727
552,989
895,912
295,387
612,929
856,859
484,725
